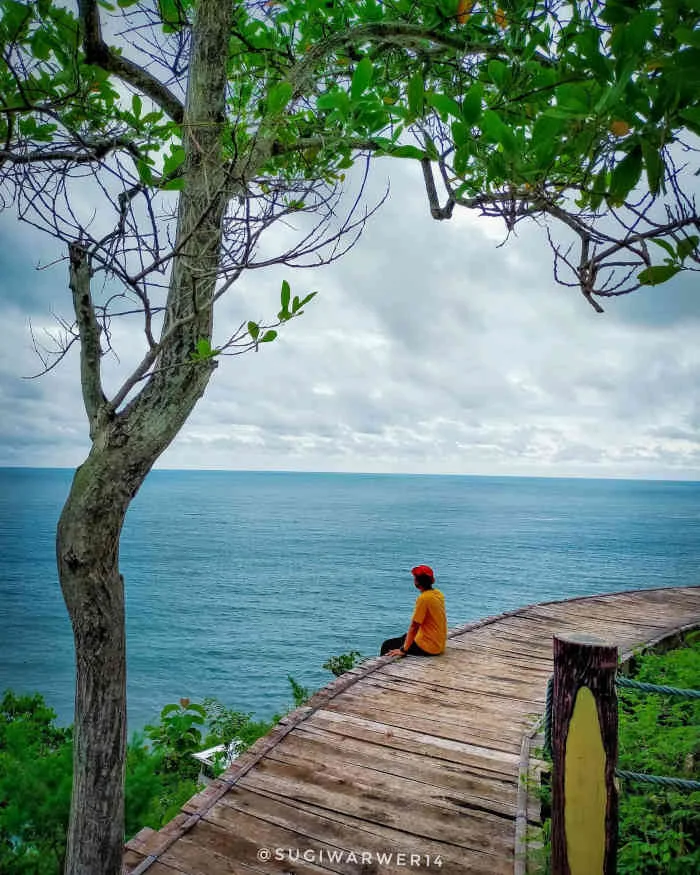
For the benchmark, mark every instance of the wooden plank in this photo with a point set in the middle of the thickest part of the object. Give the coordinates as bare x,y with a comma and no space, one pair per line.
345,833
409,714
484,701
470,755
499,686
495,793
208,849
398,803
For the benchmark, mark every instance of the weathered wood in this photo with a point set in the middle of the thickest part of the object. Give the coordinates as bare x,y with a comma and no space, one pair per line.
421,755
314,825
584,757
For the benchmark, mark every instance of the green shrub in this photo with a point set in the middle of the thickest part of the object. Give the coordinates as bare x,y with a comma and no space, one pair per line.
338,665
35,787
161,773
660,735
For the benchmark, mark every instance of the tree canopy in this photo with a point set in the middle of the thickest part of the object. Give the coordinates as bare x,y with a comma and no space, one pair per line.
570,111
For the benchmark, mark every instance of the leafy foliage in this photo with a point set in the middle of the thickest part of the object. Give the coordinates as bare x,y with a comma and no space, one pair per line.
524,107
338,665
660,735
35,787
36,773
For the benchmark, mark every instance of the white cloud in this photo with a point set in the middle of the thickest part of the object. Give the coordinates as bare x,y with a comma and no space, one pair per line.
428,349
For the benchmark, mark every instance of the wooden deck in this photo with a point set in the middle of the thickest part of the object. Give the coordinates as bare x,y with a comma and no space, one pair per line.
411,756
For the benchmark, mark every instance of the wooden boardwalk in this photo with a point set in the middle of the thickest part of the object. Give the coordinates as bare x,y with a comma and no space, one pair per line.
411,756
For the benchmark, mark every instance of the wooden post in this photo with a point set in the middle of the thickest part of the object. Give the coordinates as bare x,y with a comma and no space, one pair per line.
584,754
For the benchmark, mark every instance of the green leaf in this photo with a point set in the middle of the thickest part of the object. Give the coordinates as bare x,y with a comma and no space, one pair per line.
408,152
691,117
654,164
285,295
177,184
444,104
415,91
491,125
173,160
666,246
496,131
625,176
573,98
498,72
687,246
361,78
168,709
657,274
278,97
268,336
545,137
305,300
136,105
145,172
472,105
461,134
253,330
461,160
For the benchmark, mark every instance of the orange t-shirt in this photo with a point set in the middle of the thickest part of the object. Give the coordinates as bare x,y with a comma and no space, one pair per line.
430,614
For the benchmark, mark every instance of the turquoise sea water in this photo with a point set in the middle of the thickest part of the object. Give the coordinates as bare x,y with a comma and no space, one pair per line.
237,579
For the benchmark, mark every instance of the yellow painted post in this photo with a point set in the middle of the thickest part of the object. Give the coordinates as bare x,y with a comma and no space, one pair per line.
584,754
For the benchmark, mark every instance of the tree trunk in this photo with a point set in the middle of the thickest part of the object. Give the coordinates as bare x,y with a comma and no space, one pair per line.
87,547
125,446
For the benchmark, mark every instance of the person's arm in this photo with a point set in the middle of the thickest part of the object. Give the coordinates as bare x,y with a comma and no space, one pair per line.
411,635
407,641
417,618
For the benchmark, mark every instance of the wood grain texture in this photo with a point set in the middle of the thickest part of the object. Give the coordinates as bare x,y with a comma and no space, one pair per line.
411,756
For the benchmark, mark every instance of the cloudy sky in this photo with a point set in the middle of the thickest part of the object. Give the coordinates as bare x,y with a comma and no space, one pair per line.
428,349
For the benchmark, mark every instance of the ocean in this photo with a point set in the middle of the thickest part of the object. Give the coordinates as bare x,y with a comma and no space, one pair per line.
236,580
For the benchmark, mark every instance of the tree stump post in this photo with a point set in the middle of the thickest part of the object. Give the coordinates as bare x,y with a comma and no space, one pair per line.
584,754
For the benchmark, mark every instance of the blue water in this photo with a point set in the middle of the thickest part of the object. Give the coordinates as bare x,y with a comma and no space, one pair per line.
235,580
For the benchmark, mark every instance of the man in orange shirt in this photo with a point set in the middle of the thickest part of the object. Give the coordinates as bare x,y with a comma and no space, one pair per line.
427,634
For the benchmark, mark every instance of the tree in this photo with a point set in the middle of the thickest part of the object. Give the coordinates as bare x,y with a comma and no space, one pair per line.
200,124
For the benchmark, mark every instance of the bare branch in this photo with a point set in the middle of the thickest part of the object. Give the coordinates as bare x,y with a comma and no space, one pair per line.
89,331
436,211
99,53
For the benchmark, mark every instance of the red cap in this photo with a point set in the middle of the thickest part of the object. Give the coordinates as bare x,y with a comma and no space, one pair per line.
424,570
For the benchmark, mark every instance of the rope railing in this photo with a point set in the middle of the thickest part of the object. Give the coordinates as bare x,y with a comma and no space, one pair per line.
627,683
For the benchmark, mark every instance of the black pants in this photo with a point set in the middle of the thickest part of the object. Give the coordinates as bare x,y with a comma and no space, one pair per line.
394,643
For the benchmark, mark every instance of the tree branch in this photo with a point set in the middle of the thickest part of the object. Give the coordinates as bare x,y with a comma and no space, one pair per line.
89,331
436,211
97,151
99,53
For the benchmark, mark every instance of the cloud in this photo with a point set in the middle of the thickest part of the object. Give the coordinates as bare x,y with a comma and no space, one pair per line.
428,349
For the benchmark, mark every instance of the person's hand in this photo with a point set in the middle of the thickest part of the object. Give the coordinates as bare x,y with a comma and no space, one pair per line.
396,652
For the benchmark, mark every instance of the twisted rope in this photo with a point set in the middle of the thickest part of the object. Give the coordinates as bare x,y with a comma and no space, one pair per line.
658,780
655,780
626,683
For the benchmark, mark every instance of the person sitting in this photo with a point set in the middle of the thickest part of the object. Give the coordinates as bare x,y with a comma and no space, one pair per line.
427,634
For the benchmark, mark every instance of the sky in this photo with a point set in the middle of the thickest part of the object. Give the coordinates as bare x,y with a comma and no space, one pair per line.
429,349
